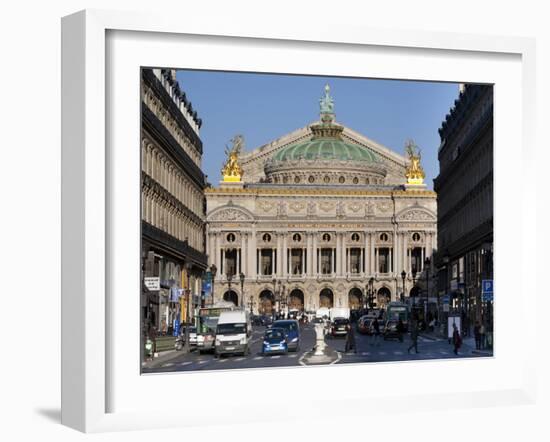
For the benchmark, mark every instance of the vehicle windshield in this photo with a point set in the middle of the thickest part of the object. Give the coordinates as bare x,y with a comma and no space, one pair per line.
274,334
290,325
231,329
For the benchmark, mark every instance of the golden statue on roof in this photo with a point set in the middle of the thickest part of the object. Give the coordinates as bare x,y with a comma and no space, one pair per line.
415,174
232,171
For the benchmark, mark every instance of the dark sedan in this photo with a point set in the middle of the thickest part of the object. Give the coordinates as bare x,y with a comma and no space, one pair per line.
339,327
391,331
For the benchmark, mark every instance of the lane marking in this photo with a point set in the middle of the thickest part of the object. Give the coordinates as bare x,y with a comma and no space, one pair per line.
275,356
257,358
203,362
185,363
168,364
293,356
382,353
444,352
398,353
223,360
240,359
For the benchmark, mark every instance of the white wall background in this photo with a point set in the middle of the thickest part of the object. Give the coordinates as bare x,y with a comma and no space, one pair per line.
30,215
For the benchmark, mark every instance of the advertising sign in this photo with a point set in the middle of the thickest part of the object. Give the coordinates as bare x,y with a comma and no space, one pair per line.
152,283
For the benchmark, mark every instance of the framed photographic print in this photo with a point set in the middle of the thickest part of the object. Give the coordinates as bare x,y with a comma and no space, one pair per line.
289,210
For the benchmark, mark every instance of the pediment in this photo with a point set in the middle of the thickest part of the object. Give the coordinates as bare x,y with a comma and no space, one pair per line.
230,213
416,214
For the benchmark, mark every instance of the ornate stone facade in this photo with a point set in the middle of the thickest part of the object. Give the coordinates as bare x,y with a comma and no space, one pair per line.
172,199
302,243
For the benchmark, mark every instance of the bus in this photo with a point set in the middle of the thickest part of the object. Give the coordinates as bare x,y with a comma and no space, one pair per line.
208,316
398,310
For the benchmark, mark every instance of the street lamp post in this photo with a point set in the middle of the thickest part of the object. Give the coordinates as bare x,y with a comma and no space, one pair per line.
213,271
241,277
403,276
427,267
188,267
414,291
371,292
229,279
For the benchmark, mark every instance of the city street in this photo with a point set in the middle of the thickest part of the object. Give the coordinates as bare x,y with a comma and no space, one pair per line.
432,348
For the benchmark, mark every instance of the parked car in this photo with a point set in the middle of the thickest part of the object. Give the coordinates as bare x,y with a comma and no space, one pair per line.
391,332
266,320
364,325
292,332
339,327
180,339
275,341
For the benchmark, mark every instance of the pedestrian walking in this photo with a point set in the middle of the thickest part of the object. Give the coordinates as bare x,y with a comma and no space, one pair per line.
457,339
153,338
375,332
350,339
400,329
482,344
414,337
477,335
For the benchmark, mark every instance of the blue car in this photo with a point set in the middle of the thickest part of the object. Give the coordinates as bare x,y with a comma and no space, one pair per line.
292,332
274,341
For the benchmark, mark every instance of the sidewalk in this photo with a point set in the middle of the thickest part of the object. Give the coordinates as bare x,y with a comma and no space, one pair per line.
468,343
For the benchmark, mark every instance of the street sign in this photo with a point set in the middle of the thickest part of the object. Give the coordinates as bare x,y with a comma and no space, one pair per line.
487,286
487,297
152,283
445,299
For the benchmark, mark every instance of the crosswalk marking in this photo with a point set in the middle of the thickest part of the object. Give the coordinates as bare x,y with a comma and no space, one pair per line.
169,364
381,353
398,353
276,356
185,363
293,356
240,359
444,352
257,358
222,360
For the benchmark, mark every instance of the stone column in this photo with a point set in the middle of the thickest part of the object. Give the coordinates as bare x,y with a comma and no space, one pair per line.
343,258
390,258
252,254
284,255
280,254
223,269
273,261
217,252
315,254
371,253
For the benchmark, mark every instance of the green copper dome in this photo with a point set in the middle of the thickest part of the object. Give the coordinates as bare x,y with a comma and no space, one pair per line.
326,149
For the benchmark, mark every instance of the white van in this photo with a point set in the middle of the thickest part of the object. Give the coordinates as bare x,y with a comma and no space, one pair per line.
233,333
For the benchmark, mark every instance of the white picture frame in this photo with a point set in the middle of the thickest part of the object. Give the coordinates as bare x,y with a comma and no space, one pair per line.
90,172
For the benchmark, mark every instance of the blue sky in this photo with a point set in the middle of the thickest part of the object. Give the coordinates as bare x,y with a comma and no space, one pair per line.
263,107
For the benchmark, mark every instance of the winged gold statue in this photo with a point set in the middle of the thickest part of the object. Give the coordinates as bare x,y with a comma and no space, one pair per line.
232,171
415,174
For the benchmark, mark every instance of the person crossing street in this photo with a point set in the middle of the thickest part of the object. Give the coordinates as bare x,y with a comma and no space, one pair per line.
414,336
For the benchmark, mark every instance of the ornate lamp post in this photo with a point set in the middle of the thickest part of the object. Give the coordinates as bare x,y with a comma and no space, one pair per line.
229,279
403,276
371,292
413,291
188,267
213,271
241,277
427,267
